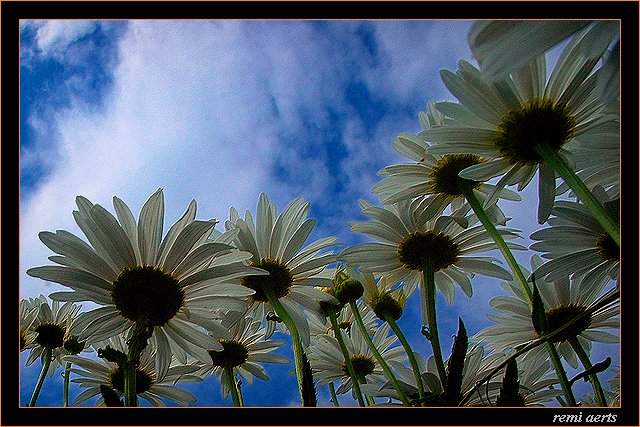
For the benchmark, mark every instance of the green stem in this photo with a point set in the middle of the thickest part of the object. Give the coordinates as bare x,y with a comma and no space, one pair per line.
593,378
556,162
46,362
347,356
497,237
298,351
430,290
378,356
232,383
561,373
137,343
363,380
65,389
407,348
467,190
334,397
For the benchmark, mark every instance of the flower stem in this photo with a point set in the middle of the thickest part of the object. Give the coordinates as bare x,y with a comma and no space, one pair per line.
593,378
515,268
233,384
347,356
334,397
560,372
137,343
65,389
561,168
430,290
376,353
497,237
296,344
46,362
407,348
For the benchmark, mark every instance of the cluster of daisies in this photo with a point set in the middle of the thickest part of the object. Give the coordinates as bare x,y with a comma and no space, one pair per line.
160,310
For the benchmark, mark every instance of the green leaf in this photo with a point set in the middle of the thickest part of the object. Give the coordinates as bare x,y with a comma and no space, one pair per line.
110,397
597,368
538,315
455,366
509,391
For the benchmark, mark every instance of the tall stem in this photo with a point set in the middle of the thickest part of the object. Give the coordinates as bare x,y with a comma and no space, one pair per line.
407,348
334,396
232,383
347,356
65,389
515,268
46,362
376,353
430,290
593,378
561,168
296,344
137,343
497,237
561,373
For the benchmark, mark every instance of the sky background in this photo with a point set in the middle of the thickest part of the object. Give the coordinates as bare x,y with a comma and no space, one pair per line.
220,111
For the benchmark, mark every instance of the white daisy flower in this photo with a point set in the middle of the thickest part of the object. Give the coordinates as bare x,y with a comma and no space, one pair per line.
563,300
512,121
328,362
28,315
503,47
275,242
151,385
168,286
436,177
243,352
575,243
51,329
408,239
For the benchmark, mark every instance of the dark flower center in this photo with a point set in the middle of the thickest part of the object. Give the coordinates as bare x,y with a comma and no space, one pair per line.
147,295
538,121
234,353
144,380
444,179
72,345
607,248
384,304
347,291
421,248
50,335
511,401
278,282
559,316
363,365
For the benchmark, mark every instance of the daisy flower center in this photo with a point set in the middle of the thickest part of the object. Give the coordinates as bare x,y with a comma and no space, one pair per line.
233,352
419,249
148,295
144,380
538,121
363,365
607,248
72,345
558,316
347,291
444,179
279,280
383,304
50,335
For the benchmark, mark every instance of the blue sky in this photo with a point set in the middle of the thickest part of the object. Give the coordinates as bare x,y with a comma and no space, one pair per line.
220,111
